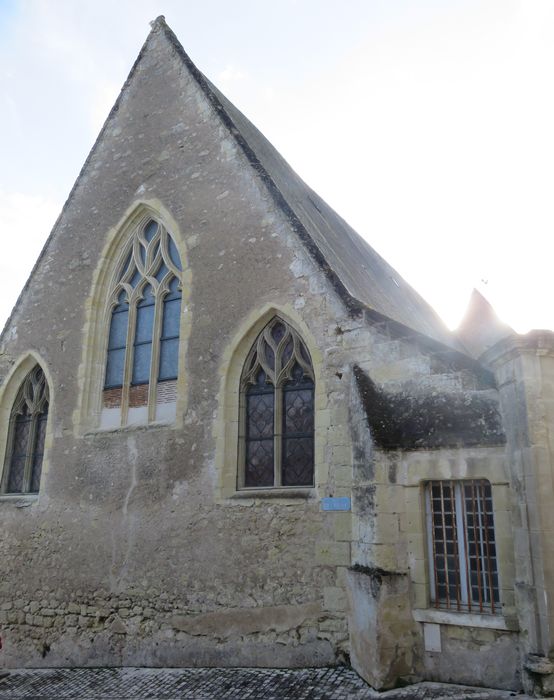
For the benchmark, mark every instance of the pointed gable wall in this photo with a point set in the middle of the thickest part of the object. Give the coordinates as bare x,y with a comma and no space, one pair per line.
163,144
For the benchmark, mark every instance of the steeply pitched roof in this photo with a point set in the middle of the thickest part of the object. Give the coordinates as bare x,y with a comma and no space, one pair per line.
360,275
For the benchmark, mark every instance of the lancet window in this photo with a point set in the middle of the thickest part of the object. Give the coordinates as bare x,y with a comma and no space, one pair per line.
143,342
26,436
276,439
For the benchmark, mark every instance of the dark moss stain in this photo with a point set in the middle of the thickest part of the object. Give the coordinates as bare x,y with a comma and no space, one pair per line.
401,420
375,575
363,500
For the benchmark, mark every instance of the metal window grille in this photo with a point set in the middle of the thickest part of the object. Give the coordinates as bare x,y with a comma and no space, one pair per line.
462,547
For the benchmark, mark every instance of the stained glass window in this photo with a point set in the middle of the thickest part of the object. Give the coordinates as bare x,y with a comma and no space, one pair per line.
26,436
143,342
277,411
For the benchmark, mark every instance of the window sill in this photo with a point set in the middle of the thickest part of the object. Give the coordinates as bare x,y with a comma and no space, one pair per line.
133,427
19,500
462,619
305,493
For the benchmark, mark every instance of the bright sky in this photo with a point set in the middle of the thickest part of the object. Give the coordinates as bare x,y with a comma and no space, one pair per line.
429,126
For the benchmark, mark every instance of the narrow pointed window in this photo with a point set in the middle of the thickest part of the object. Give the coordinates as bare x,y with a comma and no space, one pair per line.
276,442
143,342
26,436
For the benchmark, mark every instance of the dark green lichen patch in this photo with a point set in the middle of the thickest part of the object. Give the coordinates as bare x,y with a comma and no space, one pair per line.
374,571
431,420
375,575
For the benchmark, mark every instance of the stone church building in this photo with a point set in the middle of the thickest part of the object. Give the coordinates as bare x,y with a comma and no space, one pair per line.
231,434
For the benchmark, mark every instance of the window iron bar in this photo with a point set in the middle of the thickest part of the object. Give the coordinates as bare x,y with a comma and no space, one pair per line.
461,535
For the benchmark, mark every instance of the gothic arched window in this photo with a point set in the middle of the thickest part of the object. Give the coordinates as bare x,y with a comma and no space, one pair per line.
143,342
276,439
26,434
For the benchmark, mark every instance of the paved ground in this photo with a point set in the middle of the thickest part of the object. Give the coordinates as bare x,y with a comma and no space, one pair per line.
216,684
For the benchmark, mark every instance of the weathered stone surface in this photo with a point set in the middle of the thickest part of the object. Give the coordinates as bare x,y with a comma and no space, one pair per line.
379,622
244,621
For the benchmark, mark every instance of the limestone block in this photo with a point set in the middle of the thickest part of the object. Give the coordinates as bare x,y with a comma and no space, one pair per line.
382,631
243,621
334,598
342,526
330,553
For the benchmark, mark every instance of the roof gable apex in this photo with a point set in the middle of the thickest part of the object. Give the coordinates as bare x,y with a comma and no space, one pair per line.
360,276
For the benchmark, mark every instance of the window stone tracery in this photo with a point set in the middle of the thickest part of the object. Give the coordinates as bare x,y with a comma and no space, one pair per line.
143,341
276,438
26,436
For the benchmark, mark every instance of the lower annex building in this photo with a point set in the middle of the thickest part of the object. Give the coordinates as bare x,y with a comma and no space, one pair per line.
231,434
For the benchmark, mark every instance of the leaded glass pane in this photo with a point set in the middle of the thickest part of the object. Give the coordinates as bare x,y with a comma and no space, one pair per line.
114,368
259,416
162,272
118,327
259,463
17,468
150,230
171,319
174,253
298,460
259,470
287,352
298,414
145,318
20,447
169,359
261,379
141,363
36,468
278,331
136,278
298,427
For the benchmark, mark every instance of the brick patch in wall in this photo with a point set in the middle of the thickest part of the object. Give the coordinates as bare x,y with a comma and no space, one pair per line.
167,392
138,396
112,398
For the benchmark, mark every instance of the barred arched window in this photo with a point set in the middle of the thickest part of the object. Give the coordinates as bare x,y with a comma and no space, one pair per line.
143,342
276,437
26,435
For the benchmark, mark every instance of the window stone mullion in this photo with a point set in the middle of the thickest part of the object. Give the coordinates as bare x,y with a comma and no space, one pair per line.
278,437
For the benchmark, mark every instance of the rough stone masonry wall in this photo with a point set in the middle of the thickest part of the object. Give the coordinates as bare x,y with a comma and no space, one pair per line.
266,618
129,541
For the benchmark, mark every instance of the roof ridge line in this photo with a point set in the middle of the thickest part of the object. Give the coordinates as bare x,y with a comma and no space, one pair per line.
354,305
